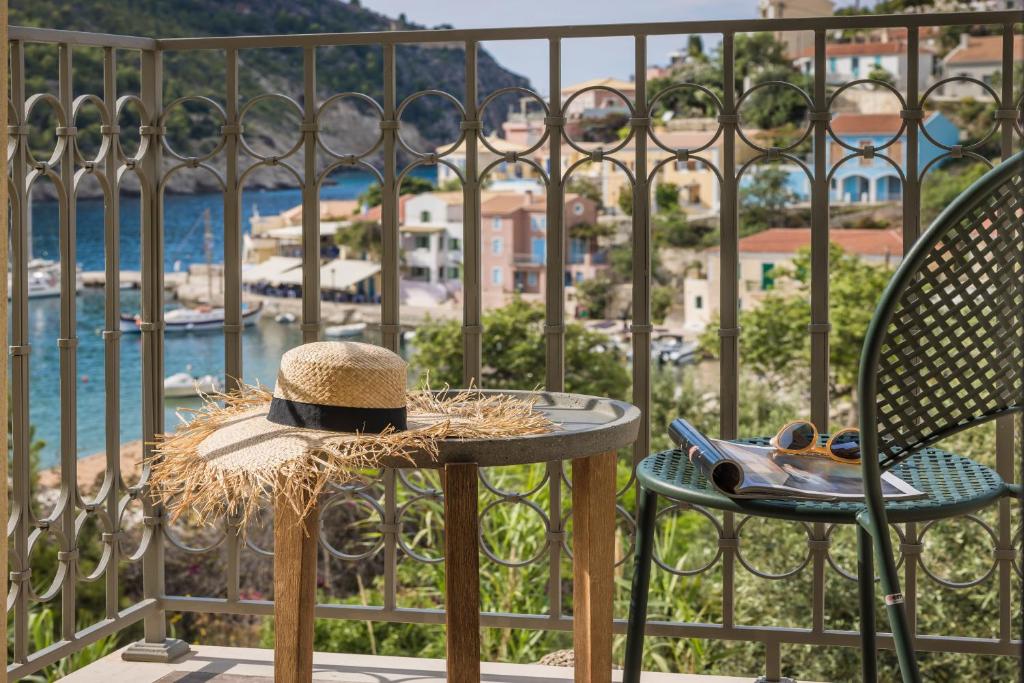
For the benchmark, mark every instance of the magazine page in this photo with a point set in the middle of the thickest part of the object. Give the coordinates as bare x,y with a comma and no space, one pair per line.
745,471
768,472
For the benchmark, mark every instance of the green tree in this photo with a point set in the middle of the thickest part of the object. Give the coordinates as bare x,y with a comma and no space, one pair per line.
774,343
758,58
666,197
513,352
410,185
594,295
695,48
673,229
877,73
585,187
764,199
941,186
362,237
661,302
625,200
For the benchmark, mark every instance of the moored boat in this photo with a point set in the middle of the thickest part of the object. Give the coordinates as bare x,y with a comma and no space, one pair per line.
44,279
200,319
341,331
183,384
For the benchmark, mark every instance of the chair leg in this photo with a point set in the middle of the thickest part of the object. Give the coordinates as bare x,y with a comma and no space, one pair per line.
894,604
866,588
645,518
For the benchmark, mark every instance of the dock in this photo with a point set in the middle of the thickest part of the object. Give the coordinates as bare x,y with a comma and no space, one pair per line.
131,279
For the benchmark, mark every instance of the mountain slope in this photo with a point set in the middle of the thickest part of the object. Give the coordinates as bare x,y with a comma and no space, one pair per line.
348,127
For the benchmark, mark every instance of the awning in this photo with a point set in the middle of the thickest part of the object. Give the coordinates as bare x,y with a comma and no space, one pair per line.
294,232
422,228
272,270
337,274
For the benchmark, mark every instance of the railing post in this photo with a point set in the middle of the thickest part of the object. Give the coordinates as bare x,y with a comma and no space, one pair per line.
912,117
156,647
472,327
4,247
1005,438
20,571
232,285
819,325
310,204
112,332
389,301
66,344
641,326
729,308
554,339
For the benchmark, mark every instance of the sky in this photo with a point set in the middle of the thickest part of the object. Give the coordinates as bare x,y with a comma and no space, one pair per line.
581,59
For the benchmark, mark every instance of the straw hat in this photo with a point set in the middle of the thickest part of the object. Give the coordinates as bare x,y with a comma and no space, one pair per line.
337,408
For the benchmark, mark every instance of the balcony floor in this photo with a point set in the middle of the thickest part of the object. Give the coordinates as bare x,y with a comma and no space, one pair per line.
211,664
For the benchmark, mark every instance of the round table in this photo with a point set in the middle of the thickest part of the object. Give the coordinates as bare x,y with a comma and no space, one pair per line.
589,430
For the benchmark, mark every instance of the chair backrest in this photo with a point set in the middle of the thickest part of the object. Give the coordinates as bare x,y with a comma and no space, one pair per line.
945,349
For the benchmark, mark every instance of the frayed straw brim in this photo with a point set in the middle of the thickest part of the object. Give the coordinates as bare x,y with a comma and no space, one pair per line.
229,456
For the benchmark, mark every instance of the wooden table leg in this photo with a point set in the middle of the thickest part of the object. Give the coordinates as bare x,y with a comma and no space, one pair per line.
295,552
593,531
462,572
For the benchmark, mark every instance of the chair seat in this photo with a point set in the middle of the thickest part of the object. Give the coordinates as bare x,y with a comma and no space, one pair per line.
954,485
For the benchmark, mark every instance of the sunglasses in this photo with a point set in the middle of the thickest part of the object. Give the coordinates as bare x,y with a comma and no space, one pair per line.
801,436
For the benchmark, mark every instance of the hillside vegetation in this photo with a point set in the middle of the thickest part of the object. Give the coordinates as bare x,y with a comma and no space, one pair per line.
271,127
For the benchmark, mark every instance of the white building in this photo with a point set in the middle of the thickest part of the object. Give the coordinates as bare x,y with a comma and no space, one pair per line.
846,62
431,235
759,257
981,58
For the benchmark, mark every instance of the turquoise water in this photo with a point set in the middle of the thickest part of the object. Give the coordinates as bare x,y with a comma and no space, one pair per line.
262,345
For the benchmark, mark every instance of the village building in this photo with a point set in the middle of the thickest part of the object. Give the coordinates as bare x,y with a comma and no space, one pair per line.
762,255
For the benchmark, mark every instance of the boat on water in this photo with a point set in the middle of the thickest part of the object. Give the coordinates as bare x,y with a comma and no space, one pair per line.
44,279
199,319
342,331
285,318
184,385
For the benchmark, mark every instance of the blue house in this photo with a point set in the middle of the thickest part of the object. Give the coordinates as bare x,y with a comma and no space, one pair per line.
870,181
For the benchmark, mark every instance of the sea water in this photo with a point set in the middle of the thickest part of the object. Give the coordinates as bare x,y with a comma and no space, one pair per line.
198,353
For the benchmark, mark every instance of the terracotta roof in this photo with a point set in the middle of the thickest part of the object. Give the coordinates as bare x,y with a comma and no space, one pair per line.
329,209
860,241
503,204
892,47
852,123
984,50
673,139
606,82
373,214
540,203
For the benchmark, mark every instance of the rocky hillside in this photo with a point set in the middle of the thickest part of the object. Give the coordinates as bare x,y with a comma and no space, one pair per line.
347,126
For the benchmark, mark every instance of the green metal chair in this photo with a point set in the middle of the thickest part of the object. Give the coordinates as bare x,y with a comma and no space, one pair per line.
944,352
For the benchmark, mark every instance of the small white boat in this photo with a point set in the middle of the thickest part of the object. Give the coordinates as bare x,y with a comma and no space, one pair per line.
193,319
285,318
349,330
183,385
44,279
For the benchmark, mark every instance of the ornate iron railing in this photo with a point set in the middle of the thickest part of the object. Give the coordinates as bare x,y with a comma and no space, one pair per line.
389,496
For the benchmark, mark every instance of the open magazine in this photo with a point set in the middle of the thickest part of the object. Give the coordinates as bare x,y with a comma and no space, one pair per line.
743,471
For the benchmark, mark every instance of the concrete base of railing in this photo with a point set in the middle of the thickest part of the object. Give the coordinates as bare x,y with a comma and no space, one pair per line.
169,650
781,679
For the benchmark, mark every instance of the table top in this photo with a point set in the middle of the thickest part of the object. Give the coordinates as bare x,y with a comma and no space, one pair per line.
585,426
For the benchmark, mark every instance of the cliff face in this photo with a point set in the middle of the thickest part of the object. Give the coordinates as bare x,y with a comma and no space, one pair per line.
347,126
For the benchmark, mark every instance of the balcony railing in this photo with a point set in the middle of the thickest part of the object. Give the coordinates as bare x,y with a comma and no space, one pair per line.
119,506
